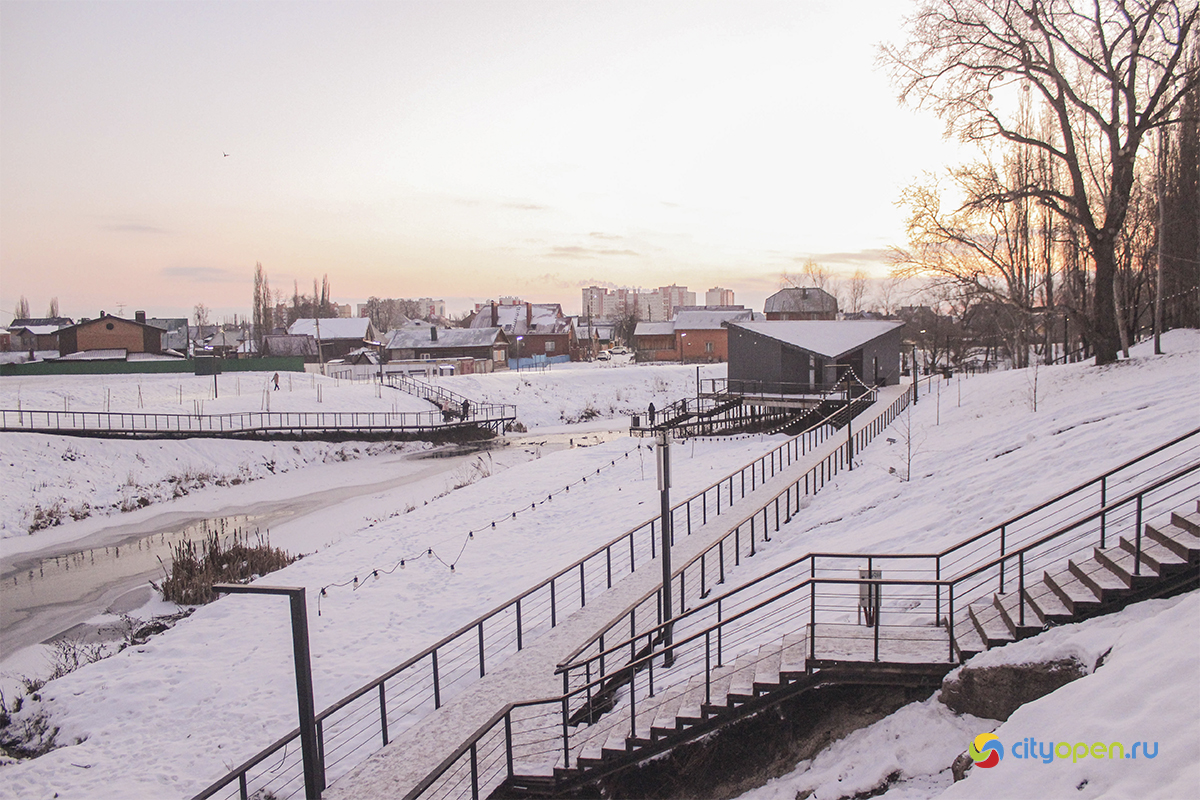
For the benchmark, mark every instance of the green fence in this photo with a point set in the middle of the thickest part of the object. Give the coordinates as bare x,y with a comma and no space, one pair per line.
282,364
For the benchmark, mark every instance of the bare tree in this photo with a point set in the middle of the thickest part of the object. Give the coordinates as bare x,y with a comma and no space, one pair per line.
52,312
200,314
22,309
1110,71
856,290
264,312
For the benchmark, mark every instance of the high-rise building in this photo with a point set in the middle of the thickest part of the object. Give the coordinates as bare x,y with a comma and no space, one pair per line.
717,296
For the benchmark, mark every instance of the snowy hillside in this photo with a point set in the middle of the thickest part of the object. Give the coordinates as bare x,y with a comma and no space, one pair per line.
52,480
210,692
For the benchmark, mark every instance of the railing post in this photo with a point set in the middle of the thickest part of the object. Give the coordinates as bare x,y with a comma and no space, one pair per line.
1103,503
474,774
707,667
937,573
812,621
1002,532
519,642
383,714
508,747
437,688
566,730
1137,558
950,623
481,670
1021,585
553,606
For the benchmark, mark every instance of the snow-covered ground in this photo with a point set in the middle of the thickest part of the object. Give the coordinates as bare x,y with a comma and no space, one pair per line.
166,718
51,480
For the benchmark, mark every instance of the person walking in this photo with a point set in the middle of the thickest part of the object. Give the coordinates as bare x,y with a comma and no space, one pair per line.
652,413
276,379
466,408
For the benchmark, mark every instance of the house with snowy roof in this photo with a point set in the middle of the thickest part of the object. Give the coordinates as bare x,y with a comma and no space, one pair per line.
534,329
697,334
430,343
813,355
336,336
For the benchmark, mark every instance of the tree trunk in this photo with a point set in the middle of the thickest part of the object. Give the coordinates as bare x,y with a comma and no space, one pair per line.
1105,338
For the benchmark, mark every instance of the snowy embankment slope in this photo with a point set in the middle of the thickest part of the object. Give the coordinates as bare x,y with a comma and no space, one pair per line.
1146,688
53,480
215,689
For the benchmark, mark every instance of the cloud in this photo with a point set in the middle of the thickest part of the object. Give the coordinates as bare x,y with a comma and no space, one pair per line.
134,227
574,251
198,274
870,256
611,237
525,206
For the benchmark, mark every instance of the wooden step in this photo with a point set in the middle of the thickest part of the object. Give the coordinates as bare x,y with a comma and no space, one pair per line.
1096,576
1120,563
1076,596
967,641
1009,607
1162,559
1047,606
794,657
741,687
1176,538
989,624
1188,520
664,723
766,669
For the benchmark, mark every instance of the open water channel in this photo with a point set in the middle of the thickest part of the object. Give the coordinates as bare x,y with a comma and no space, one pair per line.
54,592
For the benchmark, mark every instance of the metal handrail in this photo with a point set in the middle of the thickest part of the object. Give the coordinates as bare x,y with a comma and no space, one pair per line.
797,444
645,661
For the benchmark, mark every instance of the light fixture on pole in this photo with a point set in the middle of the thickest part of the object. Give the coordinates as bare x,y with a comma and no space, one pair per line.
314,773
663,440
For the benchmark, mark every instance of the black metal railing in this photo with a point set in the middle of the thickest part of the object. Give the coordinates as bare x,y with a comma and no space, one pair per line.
800,612
240,423
367,718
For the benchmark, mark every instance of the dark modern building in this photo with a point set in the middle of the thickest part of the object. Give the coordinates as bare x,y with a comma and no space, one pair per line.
801,304
811,356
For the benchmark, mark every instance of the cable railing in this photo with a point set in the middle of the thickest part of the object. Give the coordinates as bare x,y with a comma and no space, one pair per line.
786,624
369,717
241,423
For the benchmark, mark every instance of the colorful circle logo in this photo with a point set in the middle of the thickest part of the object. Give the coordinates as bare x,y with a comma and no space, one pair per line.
986,750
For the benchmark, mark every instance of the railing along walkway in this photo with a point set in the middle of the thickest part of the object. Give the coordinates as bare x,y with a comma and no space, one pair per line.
410,756
245,424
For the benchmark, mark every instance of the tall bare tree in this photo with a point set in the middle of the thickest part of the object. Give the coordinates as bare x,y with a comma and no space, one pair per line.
1111,71
22,309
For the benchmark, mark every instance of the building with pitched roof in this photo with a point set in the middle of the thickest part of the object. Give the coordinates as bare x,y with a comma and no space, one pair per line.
800,303
813,355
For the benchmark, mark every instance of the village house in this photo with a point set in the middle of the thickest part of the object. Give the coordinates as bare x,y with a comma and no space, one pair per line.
336,337
110,338
533,329
471,349
697,334
802,356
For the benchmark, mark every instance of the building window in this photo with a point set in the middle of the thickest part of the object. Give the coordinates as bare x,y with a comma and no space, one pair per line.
550,346
708,347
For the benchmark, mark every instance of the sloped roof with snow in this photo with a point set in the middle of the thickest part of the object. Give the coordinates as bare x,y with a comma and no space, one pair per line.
654,329
824,337
801,300
332,328
709,319
419,338
543,318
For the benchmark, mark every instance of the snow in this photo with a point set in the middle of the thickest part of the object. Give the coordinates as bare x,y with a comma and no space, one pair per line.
167,718
825,337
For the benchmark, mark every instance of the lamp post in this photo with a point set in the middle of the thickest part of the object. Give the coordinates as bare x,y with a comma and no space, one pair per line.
683,348
314,773
664,489
519,338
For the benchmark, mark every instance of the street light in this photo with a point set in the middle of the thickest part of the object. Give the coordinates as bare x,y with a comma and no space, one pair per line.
519,338
314,774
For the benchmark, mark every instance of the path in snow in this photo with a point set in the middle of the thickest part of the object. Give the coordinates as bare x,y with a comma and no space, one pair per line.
529,674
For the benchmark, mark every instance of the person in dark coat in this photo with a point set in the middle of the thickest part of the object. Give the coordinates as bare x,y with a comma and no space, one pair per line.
652,413
466,407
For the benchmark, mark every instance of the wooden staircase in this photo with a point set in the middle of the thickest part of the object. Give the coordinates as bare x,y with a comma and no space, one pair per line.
782,669
1102,584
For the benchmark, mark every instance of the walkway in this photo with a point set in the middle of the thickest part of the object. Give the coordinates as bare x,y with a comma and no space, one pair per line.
414,753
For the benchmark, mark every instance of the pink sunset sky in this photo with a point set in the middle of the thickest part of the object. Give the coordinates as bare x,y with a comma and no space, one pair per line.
459,150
